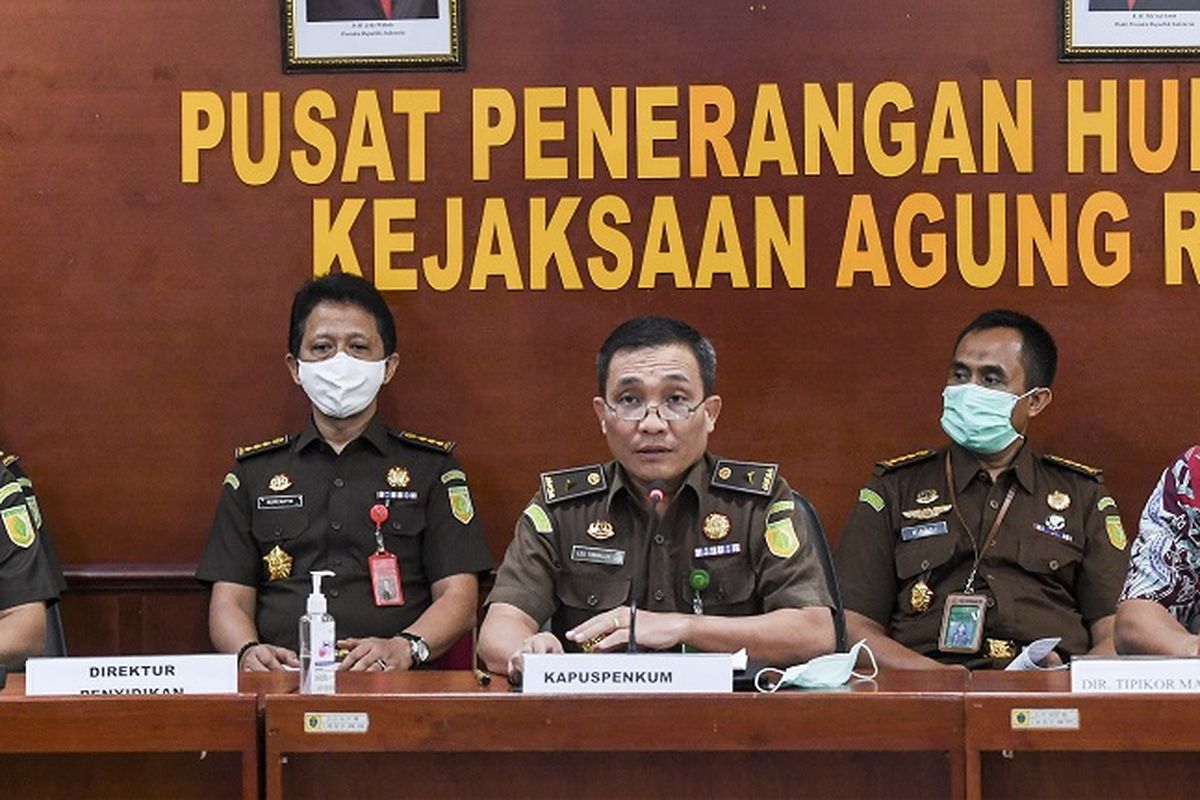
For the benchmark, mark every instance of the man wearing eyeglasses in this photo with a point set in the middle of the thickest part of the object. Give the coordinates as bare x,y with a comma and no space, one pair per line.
712,550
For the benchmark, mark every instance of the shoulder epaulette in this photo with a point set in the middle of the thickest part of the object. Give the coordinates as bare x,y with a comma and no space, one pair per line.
745,476
267,446
420,440
566,484
7,459
1095,473
916,457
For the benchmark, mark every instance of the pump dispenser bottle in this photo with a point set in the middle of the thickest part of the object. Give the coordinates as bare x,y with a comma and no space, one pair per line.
317,639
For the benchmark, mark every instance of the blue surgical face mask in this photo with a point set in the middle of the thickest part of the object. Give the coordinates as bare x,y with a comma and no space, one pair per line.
978,418
823,672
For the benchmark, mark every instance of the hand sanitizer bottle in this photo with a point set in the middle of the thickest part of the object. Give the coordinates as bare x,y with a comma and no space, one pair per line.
317,641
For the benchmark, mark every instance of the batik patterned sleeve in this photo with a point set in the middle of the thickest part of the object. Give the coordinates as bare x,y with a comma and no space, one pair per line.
1165,560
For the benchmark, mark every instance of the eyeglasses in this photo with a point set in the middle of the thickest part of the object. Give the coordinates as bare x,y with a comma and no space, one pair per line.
631,410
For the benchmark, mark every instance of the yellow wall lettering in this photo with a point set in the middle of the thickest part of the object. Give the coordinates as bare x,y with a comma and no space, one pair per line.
548,241
862,227
721,248
664,253
495,252
389,242
1050,244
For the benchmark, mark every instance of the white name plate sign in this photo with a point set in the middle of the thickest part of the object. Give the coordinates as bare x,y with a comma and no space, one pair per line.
628,673
133,675
1135,674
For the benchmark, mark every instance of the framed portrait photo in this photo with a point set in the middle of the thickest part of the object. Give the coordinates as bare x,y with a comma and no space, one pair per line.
372,35
1129,30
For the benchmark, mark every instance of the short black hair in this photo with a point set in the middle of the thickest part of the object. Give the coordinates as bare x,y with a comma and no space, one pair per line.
1039,353
642,332
341,288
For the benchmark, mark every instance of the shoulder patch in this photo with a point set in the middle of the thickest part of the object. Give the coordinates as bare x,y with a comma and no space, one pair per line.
1095,473
745,476
915,457
540,519
421,440
7,459
266,446
565,484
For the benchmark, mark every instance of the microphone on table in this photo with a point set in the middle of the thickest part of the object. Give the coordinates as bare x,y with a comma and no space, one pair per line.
656,495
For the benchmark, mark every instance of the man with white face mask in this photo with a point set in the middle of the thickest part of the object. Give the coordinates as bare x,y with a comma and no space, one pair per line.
963,555
388,512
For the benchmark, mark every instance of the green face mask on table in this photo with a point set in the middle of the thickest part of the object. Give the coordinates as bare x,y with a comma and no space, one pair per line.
823,672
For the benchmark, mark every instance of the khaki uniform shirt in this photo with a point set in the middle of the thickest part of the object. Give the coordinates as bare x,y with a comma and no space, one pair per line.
1056,564
576,554
297,500
29,569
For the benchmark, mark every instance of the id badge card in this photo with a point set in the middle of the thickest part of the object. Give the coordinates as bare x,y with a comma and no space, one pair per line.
385,579
962,623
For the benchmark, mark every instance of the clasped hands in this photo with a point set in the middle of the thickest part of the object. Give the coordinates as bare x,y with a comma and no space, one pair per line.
372,654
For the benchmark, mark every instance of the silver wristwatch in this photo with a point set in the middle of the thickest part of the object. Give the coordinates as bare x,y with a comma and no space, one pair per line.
420,650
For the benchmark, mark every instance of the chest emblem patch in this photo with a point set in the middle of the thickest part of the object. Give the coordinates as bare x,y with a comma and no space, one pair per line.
1059,501
280,483
398,478
600,530
716,526
279,564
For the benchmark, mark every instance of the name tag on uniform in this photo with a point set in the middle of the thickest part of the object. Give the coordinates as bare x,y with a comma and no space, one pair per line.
597,555
403,497
913,532
717,550
271,501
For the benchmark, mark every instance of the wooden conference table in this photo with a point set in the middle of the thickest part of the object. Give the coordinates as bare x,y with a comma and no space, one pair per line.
435,735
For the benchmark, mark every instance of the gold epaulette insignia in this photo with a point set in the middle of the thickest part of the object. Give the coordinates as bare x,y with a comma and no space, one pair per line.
889,464
565,484
267,446
1095,473
7,459
745,476
428,442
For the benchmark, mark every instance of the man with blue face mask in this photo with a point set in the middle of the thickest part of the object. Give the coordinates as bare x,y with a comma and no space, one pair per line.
963,555
388,512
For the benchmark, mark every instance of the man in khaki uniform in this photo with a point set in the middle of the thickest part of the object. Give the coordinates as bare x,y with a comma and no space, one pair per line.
722,561
30,578
1034,543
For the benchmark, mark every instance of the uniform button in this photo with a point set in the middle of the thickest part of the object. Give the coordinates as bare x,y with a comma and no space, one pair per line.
338,482
333,592
993,504
395,525
659,594
925,564
991,602
278,532
592,600
1053,563
337,526
337,562
658,538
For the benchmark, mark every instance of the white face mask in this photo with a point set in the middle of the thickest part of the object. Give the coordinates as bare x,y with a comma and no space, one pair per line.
823,672
341,386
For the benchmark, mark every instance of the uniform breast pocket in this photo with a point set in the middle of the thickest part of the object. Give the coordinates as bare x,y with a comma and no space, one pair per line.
923,555
731,584
275,525
1042,554
402,533
592,590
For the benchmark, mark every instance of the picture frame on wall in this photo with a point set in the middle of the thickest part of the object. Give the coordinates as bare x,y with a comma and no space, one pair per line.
377,35
1129,30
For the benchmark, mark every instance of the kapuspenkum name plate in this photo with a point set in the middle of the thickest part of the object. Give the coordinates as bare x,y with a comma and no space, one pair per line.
1135,674
628,673
133,675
